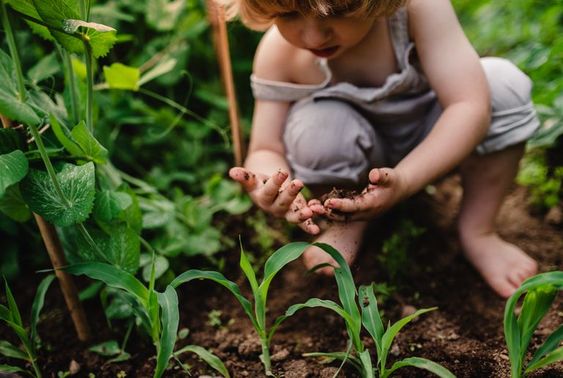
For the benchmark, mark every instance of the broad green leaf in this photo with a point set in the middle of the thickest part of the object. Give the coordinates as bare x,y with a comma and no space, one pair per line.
112,276
550,358
371,319
329,357
37,305
110,205
10,140
47,67
10,369
90,146
421,363
13,168
211,359
77,185
549,345
101,41
28,8
13,205
64,137
168,302
106,349
277,261
124,248
54,12
9,350
120,76
13,108
389,335
194,274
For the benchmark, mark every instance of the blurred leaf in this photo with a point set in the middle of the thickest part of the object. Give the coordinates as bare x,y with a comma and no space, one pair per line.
13,205
163,14
106,349
120,76
110,205
161,265
44,69
13,168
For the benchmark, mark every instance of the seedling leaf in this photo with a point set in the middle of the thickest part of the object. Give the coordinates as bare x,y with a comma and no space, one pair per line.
11,369
211,359
168,302
37,306
552,357
549,345
77,184
421,363
9,350
367,368
371,319
13,168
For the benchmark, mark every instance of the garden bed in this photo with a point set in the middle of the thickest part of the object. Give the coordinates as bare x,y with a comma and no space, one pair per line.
465,334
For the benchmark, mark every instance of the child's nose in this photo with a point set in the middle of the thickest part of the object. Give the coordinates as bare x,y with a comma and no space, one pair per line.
316,34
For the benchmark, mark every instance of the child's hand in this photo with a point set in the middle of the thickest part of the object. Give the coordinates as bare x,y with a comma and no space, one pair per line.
281,199
385,189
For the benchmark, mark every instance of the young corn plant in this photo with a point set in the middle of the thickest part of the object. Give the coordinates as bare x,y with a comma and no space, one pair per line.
29,338
365,315
158,312
273,265
541,291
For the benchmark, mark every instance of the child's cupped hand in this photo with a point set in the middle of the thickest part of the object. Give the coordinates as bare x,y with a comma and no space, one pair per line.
280,197
384,190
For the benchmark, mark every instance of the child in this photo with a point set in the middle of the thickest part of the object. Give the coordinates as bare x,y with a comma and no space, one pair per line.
384,96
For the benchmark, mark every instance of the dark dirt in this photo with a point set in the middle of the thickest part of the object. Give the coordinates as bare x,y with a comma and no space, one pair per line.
465,334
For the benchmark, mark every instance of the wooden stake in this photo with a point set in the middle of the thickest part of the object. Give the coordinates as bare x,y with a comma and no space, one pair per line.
56,254
216,15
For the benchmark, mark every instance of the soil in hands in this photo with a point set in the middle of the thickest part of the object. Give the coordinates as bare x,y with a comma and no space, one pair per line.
465,334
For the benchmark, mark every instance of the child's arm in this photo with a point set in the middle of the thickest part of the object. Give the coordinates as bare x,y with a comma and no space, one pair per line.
453,69
265,175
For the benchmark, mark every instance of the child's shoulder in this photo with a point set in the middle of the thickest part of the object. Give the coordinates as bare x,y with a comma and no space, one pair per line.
278,60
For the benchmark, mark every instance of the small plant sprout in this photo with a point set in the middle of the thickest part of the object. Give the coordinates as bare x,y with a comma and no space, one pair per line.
541,291
29,338
157,312
366,315
274,264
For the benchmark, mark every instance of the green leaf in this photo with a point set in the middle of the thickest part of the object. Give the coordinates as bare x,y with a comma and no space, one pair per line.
47,67
371,319
10,369
9,350
106,349
13,108
550,358
163,14
549,345
120,76
392,331
211,359
161,265
168,302
77,184
110,205
13,205
112,276
64,137
536,304
367,366
13,168
421,363
15,315
37,306
194,274
91,148
28,8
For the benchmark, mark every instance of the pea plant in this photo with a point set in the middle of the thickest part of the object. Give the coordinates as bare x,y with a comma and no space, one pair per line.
157,312
539,293
365,315
29,338
273,265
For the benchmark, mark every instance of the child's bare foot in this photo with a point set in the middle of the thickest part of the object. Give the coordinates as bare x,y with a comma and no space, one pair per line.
344,237
503,265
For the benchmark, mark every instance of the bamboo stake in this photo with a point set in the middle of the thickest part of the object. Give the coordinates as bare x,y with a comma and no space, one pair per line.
216,15
57,257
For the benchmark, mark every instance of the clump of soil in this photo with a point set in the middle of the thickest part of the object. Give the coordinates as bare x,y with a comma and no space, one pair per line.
339,193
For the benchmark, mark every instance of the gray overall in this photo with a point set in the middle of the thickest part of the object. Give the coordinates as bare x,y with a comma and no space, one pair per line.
335,133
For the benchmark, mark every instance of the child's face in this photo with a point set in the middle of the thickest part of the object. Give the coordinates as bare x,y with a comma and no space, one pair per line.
326,37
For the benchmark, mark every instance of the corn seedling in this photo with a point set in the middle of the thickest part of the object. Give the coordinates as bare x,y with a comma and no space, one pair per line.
157,312
370,318
541,291
29,338
274,264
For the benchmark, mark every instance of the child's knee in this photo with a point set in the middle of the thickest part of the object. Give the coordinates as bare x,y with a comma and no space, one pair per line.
330,142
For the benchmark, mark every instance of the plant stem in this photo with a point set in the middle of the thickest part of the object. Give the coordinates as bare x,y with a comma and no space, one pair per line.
13,51
71,82
36,368
89,84
265,356
48,164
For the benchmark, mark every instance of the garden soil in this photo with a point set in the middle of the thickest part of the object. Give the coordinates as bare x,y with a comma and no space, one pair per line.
465,334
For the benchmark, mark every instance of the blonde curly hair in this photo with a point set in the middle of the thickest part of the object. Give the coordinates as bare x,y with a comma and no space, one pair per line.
260,14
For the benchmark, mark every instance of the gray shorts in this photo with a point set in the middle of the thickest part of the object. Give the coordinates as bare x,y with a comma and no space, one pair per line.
334,142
